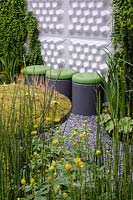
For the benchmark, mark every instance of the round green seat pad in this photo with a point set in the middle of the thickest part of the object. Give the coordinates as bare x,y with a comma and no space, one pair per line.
86,78
60,74
36,69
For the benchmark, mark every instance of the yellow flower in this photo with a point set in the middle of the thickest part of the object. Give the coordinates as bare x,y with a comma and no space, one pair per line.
53,163
65,195
23,181
56,188
81,164
32,181
22,70
50,177
68,153
82,135
58,131
98,152
55,141
77,160
35,154
35,126
48,119
51,168
33,132
57,119
68,166
75,133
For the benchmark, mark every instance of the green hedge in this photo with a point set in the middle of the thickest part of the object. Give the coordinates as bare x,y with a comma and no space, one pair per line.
19,32
122,38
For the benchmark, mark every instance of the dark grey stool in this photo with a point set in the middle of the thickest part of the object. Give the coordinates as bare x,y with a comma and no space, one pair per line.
85,88
61,80
35,74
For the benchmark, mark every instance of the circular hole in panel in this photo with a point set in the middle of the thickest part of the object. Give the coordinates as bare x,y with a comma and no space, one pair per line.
74,55
71,27
55,53
47,19
51,12
90,70
51,26
86,28
41,18
47,4
82,5
70,12
49,53
52,60
78,27
86,50
37,11
44,12
94,28
46,59
90,20
99,20
70,48
54,4
44,26
91,5
74,20
55,66
86,13
52,46
82,70
86,64
99,5
78,63
94,65
82,20
93,50
90,57
78,49
55,19
71,62
98,58
40,5
78,12
82,56
75,5
95,13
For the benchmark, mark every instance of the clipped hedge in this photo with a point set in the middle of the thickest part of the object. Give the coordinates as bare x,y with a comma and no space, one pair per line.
19,32
122,38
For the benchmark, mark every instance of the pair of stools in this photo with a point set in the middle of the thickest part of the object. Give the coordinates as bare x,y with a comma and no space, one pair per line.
81,88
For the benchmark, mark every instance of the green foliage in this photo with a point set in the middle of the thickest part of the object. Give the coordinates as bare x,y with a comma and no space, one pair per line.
18,31
122,38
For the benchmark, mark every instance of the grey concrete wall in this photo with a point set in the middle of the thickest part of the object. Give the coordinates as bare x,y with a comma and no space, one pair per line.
74,32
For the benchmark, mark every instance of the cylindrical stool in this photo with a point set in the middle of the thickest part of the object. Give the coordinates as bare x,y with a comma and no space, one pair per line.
84,93
61,80
35,74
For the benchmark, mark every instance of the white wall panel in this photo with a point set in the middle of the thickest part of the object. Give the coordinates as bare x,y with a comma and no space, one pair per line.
74,32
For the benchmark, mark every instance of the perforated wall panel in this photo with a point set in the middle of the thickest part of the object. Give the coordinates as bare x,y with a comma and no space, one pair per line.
74,32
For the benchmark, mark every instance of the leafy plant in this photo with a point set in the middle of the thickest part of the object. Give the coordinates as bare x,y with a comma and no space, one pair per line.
9,63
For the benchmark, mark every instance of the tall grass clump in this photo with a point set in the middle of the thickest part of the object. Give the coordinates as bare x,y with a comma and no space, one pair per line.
21,109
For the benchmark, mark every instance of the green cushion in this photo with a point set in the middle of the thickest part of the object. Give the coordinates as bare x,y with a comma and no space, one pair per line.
36,69
60,74
86,78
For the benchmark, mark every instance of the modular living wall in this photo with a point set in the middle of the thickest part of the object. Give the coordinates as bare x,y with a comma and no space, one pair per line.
74,32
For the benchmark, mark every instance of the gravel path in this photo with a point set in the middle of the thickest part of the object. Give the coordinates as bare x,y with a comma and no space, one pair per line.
76,120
